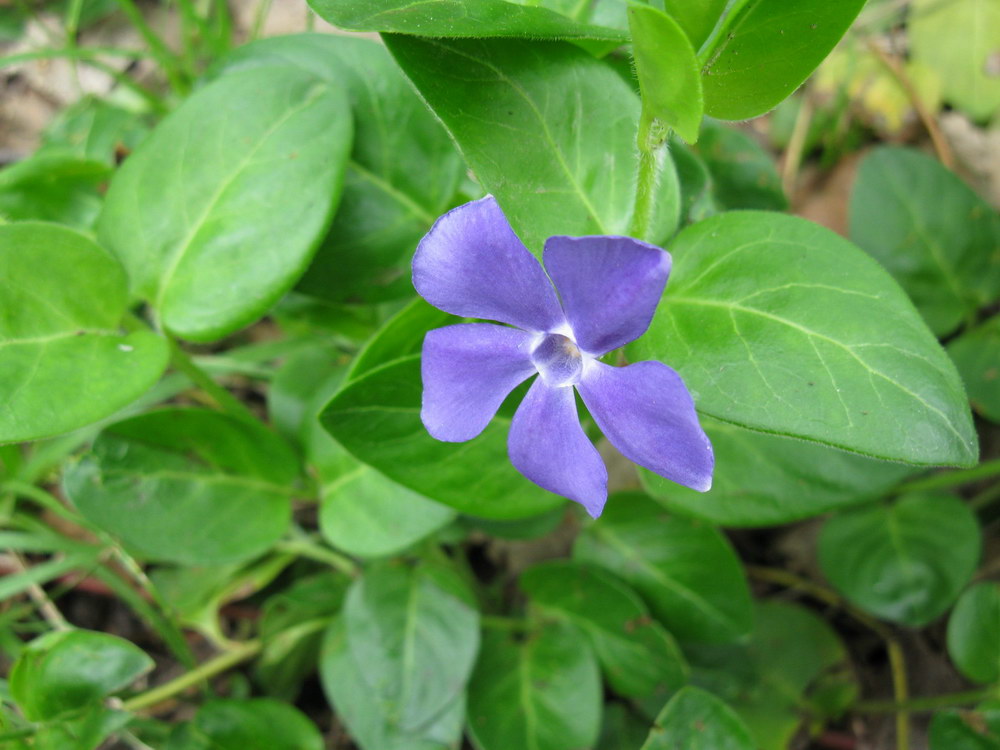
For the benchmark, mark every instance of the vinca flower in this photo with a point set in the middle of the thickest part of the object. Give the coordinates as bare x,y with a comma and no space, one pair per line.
472,264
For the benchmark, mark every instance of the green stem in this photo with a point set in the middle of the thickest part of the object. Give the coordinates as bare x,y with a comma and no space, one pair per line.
226,401
651,140
218,665
985,498
947,479
304,547
929,703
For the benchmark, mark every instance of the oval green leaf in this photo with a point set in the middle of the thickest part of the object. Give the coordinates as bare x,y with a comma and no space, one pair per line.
55,187
906,561
71,669
976,353
541,692
638,657
219,211
967,730
931,231
377,418
974,633
779,325
66,362
762,480
255,724
743,173
697,720
187,486
765,49
686,571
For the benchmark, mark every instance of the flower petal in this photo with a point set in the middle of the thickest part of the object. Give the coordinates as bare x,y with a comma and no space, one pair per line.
468,370
646,412
548,445
472,264
610,287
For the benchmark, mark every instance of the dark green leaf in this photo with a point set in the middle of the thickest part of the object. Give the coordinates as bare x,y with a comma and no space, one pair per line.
667,70
254,724
401,335
458,18
71,669
541,692
743,173
377,418
974,633
779,325
402,173
523,115
762,480
695,182
935,235
53,187
621,728
685,570
976,353
188,486
905,561
248,165
696,720
637,655
765,49
967,730
66,363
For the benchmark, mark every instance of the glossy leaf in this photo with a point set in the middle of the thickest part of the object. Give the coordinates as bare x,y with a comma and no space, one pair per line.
53,187
905,562
667,69
522,114
697,720
249,164
765,49
959,40
790,665
744,175
364,715
967,730
401,335
685,570
415,634
402,173
541,692
458,18
930,230
779,325
377,418
761,479
187,486
974,633
254,724
66,363
976,353
67,670
637,655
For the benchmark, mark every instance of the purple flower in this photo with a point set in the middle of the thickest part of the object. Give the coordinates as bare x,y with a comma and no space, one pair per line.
472,264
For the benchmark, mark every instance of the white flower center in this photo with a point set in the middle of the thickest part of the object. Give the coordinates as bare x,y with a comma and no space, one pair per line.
558,360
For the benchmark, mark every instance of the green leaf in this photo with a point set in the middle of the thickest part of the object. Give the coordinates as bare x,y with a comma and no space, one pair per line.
974,633
66,363
53,187
685,570
402,173
743,172
697,200
362,712
696,720
931,231
621,728
637,655
762,480
967,730
254,724
86,732
959,39
523,116
906,561
791,662
188,486
976,353
401,335
458,18
251,163
377,418
93,128
541,692
765,49
779,325
405,624
68,670
667,70
697,19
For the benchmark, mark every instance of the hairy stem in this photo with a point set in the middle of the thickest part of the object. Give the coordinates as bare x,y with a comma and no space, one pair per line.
652,151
